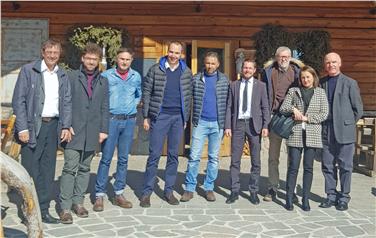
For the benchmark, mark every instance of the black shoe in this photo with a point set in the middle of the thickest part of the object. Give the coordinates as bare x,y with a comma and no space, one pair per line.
47,218
254,198
342,206
233,197
171,199
289,205
327,203
305,206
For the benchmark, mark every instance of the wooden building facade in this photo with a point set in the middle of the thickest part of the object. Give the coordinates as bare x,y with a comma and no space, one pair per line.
225,26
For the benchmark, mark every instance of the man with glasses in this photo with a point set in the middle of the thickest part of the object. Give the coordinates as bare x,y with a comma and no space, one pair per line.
279,75
89,127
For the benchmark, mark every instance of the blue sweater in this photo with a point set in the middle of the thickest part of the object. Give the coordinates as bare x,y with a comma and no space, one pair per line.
209,106
171,103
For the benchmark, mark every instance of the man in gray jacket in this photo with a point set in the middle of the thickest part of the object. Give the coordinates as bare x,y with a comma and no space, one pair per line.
209,110
90,115
345,109
42,105
166,97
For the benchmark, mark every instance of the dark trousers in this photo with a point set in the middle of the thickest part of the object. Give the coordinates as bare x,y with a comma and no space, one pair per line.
171,126
40,162
244,130
336,156
75,177
294,157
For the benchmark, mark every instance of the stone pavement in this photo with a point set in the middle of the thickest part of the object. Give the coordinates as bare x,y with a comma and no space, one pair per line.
199,218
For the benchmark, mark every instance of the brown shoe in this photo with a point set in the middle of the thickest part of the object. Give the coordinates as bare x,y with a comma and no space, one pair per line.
171,199
186,196
98,205
210,197
145,201
80,210
66,217
120,201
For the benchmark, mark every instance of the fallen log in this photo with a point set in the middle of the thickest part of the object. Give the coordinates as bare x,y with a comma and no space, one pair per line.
15,176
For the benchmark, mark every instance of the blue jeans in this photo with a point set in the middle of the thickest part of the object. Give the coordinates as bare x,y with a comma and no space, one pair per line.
210,130
120,133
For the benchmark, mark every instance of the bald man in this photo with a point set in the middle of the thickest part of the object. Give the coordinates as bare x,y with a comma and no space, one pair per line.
345,109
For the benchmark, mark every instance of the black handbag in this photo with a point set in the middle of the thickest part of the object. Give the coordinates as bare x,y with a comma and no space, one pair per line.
282,124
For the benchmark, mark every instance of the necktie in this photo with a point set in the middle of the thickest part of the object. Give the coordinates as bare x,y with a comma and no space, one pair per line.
245,96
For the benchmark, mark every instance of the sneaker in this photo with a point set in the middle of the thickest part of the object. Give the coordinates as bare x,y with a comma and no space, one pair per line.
269,196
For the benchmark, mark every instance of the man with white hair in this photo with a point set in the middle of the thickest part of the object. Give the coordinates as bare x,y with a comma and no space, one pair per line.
279,75
345,109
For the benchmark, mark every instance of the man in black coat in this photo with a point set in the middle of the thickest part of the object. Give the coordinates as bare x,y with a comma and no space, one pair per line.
42,105
90,115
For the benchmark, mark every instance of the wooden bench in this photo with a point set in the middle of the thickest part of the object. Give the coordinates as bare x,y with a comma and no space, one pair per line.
365,157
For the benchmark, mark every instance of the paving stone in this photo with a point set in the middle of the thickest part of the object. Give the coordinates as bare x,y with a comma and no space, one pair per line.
180,217
248,235
313,213
359,221
80,235
162,233
154,220
106,233
334,223
300,229
318,218
250,212
158,212
125,223
193,224
370,229
219,211
216,235
228,217
140,235
312,225
300,235
254,228
110,213
201,218
286,216
125,231
294,221
134,211
275,225
88,221
325,232
256,218
278,233
63,231
143,228
98,227
167,227
238,224
119,218
187,211
217,229
350,231
186,233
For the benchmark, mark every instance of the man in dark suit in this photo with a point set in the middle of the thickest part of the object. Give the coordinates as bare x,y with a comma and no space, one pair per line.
42,105
90,115
345,109
247,117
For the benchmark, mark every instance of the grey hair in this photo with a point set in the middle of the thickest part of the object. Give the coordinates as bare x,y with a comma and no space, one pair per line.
282,49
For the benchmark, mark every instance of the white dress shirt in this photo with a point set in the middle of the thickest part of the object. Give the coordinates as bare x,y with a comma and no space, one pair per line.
51,91
168,66
247,114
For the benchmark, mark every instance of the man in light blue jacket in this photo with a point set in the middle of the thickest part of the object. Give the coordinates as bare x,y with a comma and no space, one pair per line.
125,94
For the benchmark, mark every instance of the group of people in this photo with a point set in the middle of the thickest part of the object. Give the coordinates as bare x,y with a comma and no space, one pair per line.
82,108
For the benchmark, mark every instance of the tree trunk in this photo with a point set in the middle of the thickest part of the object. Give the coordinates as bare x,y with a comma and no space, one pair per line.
15,176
